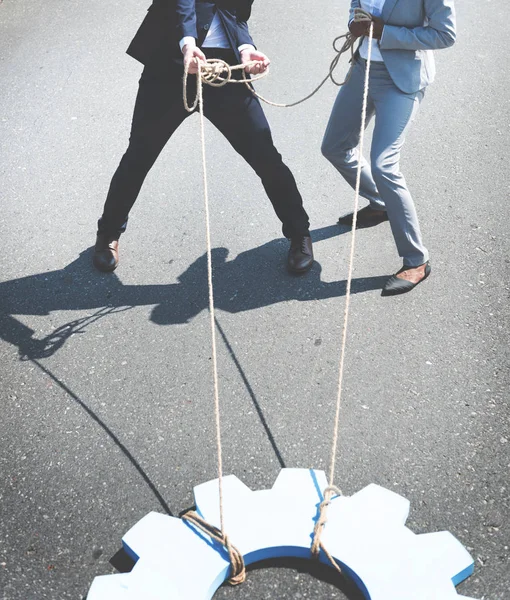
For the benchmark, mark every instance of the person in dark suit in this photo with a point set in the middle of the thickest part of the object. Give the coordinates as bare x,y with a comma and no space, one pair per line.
179,32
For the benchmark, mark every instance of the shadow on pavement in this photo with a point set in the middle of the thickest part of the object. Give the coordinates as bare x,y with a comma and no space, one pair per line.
252,280
253,398
109,432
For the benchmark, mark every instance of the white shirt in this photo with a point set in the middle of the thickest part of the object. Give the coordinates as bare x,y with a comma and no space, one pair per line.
374,7
216,37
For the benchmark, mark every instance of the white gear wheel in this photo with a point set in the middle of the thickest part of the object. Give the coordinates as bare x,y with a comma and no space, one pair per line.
365,533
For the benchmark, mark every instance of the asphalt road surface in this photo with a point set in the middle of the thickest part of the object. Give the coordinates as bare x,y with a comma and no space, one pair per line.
106,403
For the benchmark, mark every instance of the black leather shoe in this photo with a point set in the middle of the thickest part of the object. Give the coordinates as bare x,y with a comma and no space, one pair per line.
367,217
395,285
300,258
106,253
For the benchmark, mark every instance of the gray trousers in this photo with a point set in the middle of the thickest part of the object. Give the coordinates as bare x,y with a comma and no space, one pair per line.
382,183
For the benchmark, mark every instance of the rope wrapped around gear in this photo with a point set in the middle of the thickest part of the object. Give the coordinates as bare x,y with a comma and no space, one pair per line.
238,571
317,545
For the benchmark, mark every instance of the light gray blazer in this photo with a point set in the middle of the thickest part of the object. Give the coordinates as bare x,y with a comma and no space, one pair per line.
412,30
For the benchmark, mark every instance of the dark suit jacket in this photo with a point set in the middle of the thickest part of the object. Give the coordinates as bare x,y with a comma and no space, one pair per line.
168,21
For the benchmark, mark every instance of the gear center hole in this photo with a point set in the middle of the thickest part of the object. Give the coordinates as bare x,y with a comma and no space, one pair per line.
291,579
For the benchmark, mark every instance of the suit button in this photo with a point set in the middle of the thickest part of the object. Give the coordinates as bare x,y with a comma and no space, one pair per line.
206,26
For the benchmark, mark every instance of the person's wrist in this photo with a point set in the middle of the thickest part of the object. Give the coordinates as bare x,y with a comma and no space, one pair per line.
246,48
187,43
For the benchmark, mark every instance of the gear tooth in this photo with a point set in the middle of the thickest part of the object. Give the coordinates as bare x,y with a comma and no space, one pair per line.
446,555
309,482
170,543
386,506
167,569
150,532
207,497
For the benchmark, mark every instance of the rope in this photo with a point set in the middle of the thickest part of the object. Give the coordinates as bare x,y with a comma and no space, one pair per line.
332,490
238,571
317,545
347,45
218,73
200,102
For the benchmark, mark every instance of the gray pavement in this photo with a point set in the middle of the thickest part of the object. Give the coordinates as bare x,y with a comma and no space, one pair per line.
105,380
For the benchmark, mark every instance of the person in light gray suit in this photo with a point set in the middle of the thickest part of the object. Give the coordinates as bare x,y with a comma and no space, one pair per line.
405,34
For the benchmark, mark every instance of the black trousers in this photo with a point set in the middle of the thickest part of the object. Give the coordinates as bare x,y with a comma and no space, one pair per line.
233,110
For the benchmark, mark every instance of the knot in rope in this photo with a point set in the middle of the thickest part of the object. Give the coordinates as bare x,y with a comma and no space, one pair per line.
238,570
317,545
216,72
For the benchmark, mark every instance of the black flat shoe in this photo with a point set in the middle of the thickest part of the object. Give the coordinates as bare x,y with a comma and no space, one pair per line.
395,285
367,217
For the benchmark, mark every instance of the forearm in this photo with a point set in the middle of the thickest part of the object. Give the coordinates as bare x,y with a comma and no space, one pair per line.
243,14
243,35
186,18
244,10
439,30
418,38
